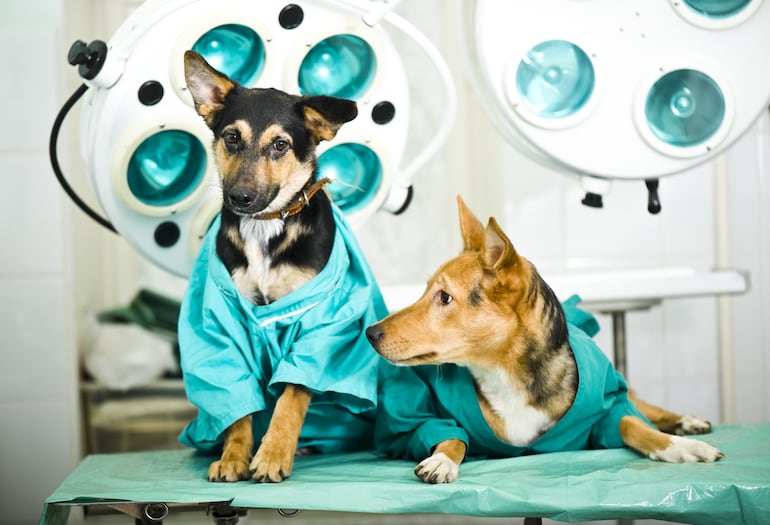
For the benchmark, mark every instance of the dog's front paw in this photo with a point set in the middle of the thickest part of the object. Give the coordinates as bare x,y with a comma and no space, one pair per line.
692,425
229,470
270,465
438,468
684,450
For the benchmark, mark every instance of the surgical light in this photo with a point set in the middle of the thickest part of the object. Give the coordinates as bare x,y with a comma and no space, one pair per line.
148,152
235,50
554,79
358,171
619,90
339,66
166,167
717,8
684,108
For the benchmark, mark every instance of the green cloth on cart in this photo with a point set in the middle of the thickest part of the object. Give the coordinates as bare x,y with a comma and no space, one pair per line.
568,486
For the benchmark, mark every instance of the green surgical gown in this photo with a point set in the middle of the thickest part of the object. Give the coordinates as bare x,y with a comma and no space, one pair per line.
424,405
236,357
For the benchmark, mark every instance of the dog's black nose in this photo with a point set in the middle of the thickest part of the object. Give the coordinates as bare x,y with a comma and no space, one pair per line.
241,197
374,333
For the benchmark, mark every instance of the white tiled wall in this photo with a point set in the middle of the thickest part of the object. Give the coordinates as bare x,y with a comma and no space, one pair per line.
749,201
38,405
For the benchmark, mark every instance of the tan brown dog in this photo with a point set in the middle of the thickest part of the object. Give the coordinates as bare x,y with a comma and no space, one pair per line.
262,331
508,374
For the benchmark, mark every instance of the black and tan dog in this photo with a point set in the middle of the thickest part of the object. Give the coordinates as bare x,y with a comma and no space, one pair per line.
508,373
286,254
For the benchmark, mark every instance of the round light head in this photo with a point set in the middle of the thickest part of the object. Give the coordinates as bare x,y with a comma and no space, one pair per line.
357,174
235,50
685,108
166,168
339,66
717,8
555,79
716,14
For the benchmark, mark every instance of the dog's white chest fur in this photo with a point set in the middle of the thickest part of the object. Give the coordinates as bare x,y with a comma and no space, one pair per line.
262,281
256,275
523,423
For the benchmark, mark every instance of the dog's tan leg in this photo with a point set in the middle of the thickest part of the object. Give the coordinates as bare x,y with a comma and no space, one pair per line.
671,422
234,463
443,466
664,447
273,461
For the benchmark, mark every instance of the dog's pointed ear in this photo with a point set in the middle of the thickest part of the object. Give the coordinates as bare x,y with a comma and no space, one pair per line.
325,115
499,254
471,228
208,87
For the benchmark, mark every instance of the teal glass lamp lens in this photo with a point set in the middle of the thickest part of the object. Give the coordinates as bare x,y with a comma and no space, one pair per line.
684,108
339,66
717,8
235,50
555,79
357,172
166,167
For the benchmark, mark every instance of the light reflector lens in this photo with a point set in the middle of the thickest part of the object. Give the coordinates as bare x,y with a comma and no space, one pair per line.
166,167
555,79
356,171
717,8
339,66
684,108
235,50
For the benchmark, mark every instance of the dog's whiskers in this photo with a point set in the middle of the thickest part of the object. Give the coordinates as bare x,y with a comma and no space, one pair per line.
347,184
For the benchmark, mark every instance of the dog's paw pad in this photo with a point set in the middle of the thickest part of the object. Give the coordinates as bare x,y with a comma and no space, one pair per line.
684,450
693,425
438,468
228,470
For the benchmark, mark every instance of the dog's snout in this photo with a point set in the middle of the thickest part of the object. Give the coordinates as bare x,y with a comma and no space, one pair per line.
374,334
241,197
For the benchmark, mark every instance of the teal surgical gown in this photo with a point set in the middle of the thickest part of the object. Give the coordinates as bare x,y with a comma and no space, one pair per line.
424,405
236,357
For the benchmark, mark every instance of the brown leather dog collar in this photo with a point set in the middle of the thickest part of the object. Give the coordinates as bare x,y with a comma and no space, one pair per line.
302,200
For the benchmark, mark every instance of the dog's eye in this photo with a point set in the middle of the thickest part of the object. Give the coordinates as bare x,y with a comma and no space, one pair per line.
280,144
231,137
444,298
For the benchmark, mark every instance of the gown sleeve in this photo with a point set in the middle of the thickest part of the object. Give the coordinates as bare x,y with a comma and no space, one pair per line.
220,376
407,423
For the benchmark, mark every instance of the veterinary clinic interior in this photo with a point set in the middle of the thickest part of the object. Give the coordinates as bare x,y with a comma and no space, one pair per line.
622,145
